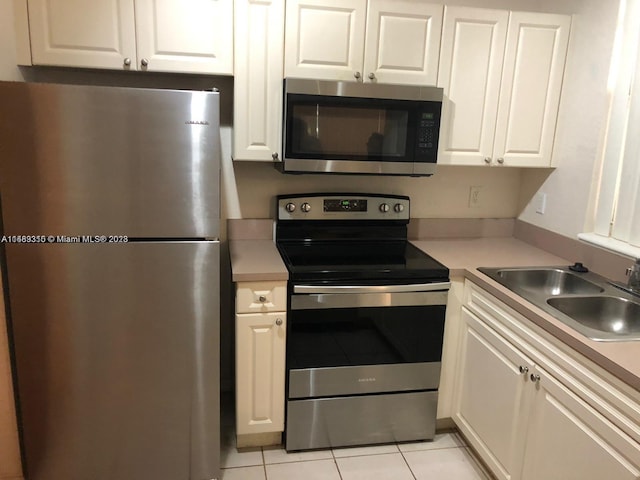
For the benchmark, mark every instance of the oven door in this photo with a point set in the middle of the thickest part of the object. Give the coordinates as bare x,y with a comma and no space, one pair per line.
346,340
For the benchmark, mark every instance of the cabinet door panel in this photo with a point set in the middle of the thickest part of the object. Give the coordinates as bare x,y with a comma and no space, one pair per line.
324,38
568,440
260,372
259,59
491,399
471,59
77,33
197,38
402,41
531,83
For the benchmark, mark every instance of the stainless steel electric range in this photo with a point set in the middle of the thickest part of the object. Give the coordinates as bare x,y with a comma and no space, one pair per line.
366,312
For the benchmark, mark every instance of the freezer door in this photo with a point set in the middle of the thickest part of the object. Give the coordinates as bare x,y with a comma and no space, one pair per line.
117,356
86,160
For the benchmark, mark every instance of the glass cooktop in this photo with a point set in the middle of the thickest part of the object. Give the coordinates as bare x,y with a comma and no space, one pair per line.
374,261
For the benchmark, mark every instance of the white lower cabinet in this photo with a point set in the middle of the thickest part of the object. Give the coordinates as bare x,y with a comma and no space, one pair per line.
260,362
533,412
491,396
569,440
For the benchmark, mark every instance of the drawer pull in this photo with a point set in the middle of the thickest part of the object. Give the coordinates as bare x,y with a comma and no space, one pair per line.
278,321
262,298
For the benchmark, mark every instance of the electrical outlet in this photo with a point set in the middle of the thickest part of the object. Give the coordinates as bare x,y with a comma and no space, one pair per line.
540,203
474,196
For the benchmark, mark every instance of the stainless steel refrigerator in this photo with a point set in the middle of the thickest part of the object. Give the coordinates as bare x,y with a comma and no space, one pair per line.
110,207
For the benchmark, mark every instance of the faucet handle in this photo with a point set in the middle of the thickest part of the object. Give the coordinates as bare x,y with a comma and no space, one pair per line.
633,273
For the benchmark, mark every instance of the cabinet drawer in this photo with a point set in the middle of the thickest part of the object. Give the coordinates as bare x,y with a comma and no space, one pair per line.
261,297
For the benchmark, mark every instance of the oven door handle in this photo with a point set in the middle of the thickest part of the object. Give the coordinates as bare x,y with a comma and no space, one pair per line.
414,287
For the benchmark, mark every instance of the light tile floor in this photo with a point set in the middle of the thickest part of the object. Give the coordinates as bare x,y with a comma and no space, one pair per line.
445,458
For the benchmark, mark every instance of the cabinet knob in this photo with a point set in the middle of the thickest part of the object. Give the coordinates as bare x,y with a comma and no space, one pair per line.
144,62
524,370
535,378
278,321
274,155
372,76
487,160
357,75
262,298
500,161
127,62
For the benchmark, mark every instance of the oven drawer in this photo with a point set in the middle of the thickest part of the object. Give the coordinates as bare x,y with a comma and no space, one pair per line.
361,420
326,382
256,297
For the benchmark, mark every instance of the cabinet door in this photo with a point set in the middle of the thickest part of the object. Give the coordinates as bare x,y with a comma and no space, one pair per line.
530,93
402,42
324,39
257,90
491,396
77,33
471,59
260,372
568,440
197,38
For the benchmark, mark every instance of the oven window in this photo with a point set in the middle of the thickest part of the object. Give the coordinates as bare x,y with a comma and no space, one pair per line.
364,336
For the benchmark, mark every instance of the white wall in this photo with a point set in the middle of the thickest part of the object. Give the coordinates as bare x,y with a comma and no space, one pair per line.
581,122
8,68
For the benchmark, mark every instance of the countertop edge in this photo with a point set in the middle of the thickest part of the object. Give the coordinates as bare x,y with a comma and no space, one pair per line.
256,260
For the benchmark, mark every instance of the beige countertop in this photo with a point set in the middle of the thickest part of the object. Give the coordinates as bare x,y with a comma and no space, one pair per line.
259,260
256,260
464,256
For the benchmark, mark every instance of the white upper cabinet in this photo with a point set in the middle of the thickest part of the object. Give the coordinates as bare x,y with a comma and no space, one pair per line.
531,84
471,59
324,39
77,33
402,42
154,35
502,76
257,89
174,37
390,41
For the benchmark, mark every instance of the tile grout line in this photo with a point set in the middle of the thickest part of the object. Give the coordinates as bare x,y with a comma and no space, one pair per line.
264,464
406,463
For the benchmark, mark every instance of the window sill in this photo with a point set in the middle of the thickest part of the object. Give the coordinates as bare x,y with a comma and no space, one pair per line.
611,244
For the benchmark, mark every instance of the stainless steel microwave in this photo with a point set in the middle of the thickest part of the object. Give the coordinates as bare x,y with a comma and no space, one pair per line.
356,128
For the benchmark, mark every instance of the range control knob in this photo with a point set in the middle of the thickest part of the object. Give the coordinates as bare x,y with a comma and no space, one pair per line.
290,207
398,208
305,207
384,207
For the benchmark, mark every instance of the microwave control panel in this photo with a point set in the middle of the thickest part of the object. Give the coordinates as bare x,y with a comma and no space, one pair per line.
427,134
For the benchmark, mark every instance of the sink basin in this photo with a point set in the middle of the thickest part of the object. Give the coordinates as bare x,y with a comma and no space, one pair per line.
613,315
548,281
586,302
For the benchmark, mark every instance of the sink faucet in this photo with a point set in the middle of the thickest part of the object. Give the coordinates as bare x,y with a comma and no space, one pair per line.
634,277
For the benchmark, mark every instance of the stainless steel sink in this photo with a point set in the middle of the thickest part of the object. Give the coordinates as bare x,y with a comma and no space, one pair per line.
550,281
586,302
615,315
